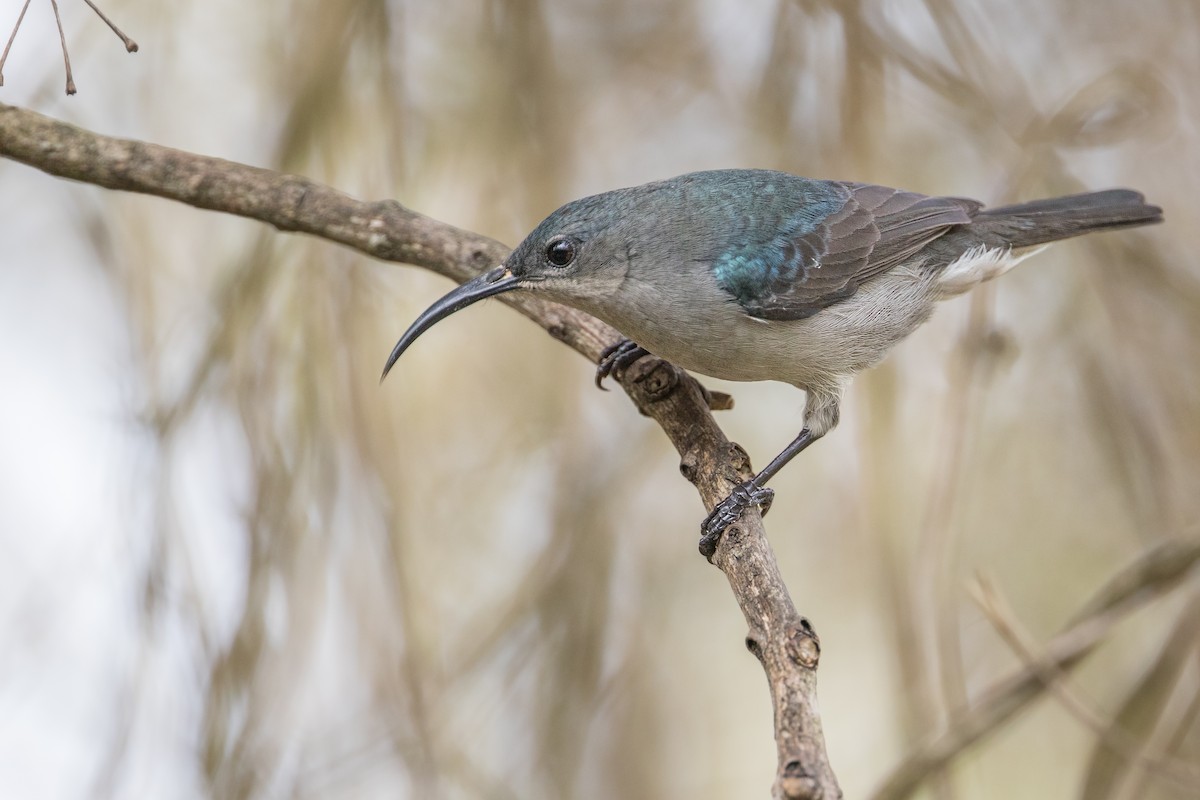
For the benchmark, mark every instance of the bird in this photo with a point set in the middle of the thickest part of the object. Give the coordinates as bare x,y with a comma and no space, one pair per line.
754,275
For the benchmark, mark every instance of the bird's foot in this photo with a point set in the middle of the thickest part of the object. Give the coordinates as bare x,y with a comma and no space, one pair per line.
729,510
617,358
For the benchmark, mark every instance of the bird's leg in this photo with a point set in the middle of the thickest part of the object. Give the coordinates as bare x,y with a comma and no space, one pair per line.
617,358
749,493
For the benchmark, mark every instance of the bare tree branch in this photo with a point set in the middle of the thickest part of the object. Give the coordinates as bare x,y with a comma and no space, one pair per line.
1154,572
784,642
1130,751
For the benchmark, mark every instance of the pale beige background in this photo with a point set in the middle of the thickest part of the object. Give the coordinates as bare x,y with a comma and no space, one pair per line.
231,565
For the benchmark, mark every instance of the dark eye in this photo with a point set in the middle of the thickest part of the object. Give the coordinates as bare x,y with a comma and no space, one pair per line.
560,252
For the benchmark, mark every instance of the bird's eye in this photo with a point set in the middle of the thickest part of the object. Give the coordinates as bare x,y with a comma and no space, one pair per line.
560,252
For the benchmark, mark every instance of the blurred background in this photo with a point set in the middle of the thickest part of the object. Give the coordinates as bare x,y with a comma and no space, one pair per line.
232,565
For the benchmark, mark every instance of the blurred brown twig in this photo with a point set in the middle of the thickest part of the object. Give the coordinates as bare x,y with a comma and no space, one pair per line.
1156,571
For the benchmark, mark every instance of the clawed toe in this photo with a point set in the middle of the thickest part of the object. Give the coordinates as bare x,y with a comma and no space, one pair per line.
729,510
617,358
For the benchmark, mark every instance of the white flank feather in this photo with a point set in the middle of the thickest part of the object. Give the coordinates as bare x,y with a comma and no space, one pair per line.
979,264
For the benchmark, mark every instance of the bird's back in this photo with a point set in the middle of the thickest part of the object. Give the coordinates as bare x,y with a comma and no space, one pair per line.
762,275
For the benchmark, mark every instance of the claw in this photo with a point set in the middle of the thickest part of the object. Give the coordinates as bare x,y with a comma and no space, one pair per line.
617,358
729,510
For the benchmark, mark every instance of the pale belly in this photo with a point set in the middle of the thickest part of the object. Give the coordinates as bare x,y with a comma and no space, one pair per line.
719,340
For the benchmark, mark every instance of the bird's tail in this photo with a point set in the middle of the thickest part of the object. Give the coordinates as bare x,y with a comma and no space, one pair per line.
1042,221
985,247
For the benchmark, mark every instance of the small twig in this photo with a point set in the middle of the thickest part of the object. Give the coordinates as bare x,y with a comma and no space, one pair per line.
130,45
16,27
1160,567
63,38
996,608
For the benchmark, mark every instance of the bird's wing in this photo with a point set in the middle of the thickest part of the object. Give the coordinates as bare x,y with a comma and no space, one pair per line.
818,263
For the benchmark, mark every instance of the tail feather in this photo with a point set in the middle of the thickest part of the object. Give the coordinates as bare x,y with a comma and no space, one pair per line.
1042,221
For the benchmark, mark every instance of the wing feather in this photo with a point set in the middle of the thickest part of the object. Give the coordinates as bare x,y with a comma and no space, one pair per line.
874,230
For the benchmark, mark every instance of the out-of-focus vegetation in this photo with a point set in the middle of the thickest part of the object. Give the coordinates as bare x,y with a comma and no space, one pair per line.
480,580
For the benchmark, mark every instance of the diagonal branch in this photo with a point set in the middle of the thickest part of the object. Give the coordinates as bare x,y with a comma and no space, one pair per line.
130,45
783,641
1155,571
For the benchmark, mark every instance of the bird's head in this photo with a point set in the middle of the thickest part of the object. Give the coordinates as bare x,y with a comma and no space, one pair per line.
579,255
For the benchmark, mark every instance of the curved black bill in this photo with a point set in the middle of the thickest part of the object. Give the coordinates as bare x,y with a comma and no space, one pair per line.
490,283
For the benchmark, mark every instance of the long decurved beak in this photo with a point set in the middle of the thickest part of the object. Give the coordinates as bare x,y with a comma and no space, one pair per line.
490,283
